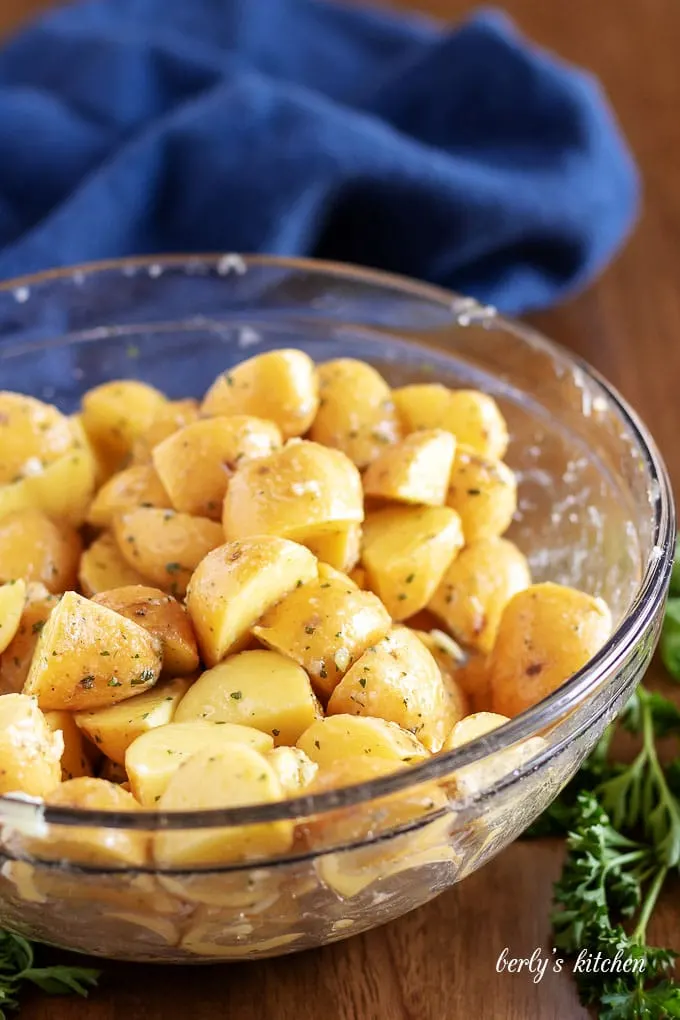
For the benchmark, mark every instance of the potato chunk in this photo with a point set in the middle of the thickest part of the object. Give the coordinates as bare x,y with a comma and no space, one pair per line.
238,582
325,625
279,386
416,470
473,417
34,548
338,737
173,415
405,553
484,492
294,769
79,755
340,549
87,657
102,567
256,688
12,599
138,485
29,750
153,758
16,659
32,435
117,413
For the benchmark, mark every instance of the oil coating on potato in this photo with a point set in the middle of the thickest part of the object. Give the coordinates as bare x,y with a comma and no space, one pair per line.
135,486
32,435
338,737
102,567
30,751
36,549
546,634
117,413
484,492
416,470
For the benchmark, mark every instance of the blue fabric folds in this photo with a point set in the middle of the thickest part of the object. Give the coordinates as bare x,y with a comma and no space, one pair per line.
465,157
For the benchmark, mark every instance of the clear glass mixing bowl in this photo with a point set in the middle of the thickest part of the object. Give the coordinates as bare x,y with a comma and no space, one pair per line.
596,512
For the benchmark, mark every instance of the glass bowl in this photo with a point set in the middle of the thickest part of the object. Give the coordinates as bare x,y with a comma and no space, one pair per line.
595,511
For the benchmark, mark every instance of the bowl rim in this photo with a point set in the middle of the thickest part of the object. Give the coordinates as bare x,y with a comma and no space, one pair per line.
601,669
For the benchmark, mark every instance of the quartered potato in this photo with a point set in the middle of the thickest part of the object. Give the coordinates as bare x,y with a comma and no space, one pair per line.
416,470
164,546
280,386
356,412
196,462
238,582
338,737
471,416
398,680
117,413
484,492
102,567
135,486
256,688
478,776
113,729
32,436
79,755
16,659
546,634
30,751
173,415
405,553
340,549
473,726
297,492
325,625
88,656
161,615
154,757
294,769
34,548
475,589
12,599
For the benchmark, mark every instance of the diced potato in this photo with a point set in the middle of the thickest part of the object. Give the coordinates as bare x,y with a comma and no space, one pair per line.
480,775
340,549
153,758
416,470
32,435
325,625
29,750
397,680
113,729
473,417
173,415
422,406
165,547
102,567
294,769
79,756
474,680
475,589
473,726
450,659
32,547
196,462
238,582
280,386
117,413
356,412
87,657
405,553
484,492
227,778
161,615
297,492
338,737
16,659
546,634
257,688
138,485
12,599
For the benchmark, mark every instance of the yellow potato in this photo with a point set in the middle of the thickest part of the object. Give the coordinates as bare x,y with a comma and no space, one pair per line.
257,688
63,490
338,737
405,552
473,726
422,406
165,547
484,492
16,659
340,549
109,770
162,616
138,485
30,751
32,547
113,729
87,657
117,413
280,386
356,412
475,589
473,417
227,778
12,600
546,634
196,462
153,758
474,680
79,756
397,680
238,582
416,470
473,779
325,625
294,769
450,659
296,492
173,415
102,567
32,435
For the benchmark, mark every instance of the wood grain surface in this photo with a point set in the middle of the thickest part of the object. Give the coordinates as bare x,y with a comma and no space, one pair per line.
438,963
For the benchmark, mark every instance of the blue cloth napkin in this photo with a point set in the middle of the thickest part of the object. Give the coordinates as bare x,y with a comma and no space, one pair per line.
468,157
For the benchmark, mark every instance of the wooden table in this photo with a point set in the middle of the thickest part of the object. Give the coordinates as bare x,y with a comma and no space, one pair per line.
439,962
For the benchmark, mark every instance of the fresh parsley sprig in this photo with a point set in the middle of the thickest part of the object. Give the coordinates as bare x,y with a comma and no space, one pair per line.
17,969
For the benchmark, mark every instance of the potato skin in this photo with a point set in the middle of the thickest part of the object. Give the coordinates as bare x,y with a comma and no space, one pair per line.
34,548
88,656
473,417
30,751
16,659
475,589
135,486
356,411
30,430
102,567
484,492
416,470
280,386
117,413
546,634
